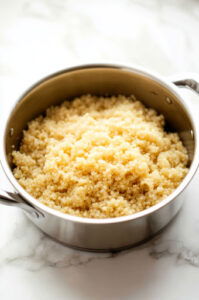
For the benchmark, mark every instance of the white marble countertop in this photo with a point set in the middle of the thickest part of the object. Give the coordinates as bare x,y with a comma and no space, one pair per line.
39,37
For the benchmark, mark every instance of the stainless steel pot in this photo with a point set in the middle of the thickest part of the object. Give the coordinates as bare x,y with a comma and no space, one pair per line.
101,79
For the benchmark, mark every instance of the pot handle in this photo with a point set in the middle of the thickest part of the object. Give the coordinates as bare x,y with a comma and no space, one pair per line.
14,199
189,80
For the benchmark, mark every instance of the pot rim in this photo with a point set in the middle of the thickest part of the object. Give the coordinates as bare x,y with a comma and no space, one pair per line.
132,68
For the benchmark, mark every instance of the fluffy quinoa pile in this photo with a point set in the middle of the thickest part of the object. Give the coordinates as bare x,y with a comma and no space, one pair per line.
100,157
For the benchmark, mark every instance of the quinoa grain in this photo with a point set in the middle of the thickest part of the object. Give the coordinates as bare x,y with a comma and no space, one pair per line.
100,157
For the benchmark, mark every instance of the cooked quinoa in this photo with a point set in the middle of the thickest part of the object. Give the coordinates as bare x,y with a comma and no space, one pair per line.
100,157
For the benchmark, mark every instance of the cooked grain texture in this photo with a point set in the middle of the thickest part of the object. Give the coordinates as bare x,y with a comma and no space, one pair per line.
100,157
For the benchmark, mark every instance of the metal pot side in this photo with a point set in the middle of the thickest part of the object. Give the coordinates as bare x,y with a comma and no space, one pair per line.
100,79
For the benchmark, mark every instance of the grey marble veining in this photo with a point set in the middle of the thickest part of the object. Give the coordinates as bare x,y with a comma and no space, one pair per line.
42,36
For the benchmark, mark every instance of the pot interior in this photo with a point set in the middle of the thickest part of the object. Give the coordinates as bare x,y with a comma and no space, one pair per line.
99,80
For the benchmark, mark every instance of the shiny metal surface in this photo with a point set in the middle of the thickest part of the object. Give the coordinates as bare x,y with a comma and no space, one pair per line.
191,83
14,199
100,234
